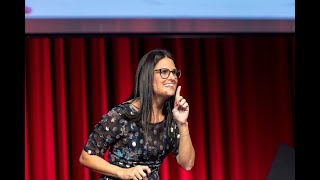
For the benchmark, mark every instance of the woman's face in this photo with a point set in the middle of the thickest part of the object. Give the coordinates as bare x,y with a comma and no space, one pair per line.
163,86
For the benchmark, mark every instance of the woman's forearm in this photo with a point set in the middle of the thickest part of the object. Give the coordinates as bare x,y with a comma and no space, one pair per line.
186,154
99,165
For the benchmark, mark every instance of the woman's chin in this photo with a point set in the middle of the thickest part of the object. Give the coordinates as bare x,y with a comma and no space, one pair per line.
169,93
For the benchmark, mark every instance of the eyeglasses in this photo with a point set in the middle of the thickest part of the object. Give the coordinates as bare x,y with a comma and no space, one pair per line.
165,73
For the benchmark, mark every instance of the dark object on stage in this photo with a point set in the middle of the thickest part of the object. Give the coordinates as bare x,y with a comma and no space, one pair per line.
283,166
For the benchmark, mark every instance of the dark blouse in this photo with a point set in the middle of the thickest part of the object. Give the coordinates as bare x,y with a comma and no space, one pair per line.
124,138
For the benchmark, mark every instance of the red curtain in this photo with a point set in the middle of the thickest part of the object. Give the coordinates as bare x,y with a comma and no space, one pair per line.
240,90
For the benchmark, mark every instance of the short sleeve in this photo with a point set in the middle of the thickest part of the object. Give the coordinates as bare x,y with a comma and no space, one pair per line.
107,132
175,139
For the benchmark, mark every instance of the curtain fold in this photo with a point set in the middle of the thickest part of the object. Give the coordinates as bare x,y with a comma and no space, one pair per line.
240,91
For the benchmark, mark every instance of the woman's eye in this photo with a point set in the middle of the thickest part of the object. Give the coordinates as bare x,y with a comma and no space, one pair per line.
165,71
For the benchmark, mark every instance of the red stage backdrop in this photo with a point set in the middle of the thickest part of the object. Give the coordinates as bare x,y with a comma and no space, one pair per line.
240,90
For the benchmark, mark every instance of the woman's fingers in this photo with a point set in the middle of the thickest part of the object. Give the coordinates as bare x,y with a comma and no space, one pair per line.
178,93
185,105
138,174
142,172
146,170
181,103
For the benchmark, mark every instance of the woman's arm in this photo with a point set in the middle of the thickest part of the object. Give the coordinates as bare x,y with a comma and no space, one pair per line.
98,164
186,155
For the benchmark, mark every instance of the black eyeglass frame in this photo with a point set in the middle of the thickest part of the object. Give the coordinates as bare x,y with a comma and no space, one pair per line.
174,72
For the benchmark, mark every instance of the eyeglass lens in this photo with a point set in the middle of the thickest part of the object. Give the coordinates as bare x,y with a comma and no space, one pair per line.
165,73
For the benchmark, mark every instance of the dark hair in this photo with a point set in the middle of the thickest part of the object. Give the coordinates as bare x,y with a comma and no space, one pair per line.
143,89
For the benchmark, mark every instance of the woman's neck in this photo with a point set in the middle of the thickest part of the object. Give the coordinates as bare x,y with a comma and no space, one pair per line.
157,106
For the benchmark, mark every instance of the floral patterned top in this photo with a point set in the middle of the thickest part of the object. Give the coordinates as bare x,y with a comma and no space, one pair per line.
124,138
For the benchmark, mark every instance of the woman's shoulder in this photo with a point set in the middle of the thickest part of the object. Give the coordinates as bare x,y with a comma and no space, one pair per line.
125,109
118,112
133,103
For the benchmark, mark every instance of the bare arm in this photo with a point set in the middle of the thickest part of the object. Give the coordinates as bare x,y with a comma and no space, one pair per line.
186,155
98,164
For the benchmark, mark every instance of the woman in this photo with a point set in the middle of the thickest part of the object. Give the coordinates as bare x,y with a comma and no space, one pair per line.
140,132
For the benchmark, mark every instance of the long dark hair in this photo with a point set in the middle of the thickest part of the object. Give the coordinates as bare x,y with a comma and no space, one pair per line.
143,89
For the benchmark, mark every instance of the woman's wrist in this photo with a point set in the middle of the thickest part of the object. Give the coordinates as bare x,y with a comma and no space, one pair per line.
184,135
119,173
183,124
